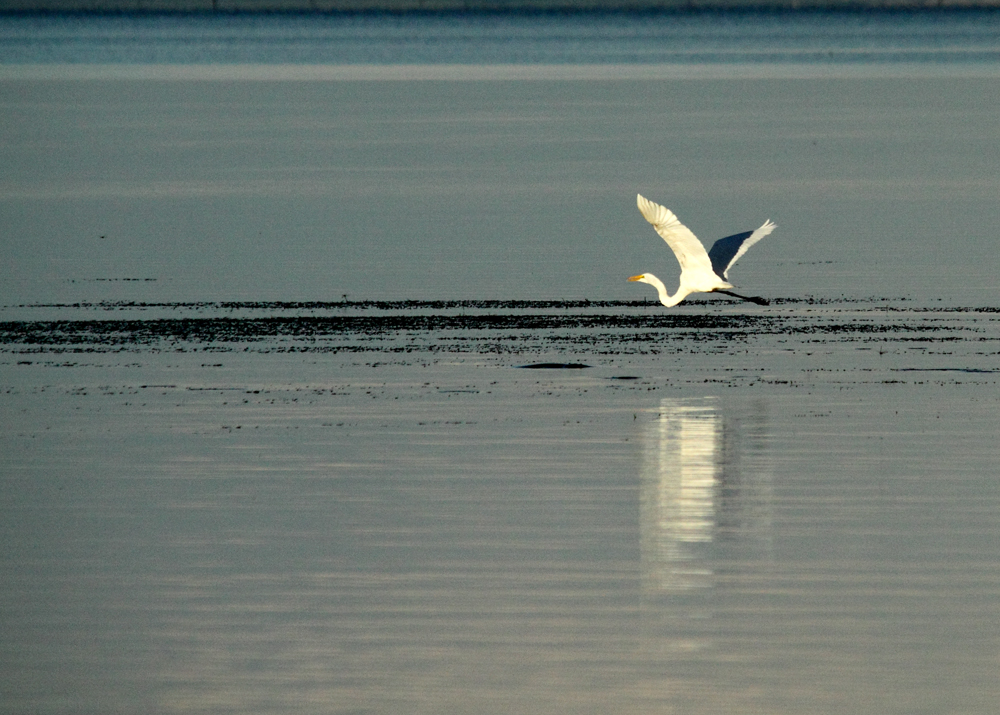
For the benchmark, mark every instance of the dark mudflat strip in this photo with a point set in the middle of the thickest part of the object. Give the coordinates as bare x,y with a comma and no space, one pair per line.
338,305
438,305
208,330
213,330
553,366
970,370
488,327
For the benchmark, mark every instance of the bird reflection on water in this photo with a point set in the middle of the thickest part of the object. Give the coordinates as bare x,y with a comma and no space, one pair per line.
705,514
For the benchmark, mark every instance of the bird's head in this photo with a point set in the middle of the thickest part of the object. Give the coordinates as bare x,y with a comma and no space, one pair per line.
661,290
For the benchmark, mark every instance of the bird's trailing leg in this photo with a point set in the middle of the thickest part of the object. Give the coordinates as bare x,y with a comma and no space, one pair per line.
750,298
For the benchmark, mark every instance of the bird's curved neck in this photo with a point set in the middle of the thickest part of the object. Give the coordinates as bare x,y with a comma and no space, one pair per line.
668,300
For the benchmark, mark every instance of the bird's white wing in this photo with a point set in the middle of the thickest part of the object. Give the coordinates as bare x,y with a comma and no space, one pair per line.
754,237
690,253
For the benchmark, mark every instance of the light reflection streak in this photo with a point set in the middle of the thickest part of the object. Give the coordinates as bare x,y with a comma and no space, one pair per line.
705,513
678,496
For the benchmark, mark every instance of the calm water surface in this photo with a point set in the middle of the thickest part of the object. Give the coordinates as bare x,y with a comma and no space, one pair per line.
559,38
272,441
374,509
221,189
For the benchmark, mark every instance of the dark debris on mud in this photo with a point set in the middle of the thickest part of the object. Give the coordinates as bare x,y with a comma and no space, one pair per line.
434,326
439,305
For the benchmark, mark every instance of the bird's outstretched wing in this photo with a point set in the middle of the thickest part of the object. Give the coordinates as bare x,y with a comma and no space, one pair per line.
685,245
726,251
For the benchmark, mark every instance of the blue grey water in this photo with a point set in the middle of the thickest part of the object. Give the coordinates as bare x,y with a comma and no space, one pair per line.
269,290
490,38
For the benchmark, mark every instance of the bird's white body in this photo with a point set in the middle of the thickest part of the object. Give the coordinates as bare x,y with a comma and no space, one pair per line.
701,271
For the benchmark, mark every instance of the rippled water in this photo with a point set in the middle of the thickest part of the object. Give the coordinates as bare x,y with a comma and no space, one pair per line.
376,507
604,38
255,188
323,390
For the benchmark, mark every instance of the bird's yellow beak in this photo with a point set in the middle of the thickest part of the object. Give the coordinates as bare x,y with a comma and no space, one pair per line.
636,278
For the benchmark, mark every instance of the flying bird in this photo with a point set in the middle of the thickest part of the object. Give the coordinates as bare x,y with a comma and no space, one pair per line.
701,272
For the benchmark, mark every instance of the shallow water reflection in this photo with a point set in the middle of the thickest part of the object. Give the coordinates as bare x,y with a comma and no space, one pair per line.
786,513
706,488
706,514
680,478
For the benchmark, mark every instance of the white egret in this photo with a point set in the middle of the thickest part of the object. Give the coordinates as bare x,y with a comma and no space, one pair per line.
701,271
